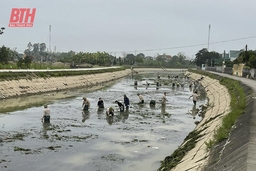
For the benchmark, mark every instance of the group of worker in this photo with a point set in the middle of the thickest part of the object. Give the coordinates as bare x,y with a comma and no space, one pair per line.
126,104
110,110
121,106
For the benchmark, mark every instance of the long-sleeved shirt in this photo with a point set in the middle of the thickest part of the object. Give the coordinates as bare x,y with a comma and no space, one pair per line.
126,101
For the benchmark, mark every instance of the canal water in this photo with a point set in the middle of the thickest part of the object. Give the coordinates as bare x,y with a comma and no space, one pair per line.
137,139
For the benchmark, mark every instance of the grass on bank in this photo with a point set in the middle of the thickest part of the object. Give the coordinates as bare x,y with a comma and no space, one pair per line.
237,105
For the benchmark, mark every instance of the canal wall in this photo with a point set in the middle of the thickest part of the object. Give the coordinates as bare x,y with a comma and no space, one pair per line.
218,106
21,87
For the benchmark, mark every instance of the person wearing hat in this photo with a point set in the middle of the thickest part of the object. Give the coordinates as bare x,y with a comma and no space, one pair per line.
46,116
141,99
126,102
86,104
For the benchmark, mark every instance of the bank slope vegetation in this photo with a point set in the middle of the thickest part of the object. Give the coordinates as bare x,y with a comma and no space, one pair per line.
237,105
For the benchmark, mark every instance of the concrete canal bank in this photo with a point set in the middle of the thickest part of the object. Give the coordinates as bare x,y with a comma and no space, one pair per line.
21,87
218,107
237,152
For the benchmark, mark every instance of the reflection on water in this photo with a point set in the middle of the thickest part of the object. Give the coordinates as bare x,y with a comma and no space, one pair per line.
46,127
163,112
118,117
86,115
91,140
194,111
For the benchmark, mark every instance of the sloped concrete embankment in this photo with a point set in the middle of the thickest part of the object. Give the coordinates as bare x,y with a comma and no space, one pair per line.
15,88
218,107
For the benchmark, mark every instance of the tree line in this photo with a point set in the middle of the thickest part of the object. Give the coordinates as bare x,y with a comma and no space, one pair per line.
37,53
212,58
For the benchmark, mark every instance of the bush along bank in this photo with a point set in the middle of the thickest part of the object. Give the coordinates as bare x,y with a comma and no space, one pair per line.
237,107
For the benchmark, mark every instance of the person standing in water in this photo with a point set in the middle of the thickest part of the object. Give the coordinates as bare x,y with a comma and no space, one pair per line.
100,103
195,97
126,102
86,104
164,99
46,116
110,111
120,105
141,99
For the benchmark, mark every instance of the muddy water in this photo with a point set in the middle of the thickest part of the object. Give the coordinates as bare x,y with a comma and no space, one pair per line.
137,139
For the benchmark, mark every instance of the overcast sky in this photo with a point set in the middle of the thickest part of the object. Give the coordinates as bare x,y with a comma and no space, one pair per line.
134,26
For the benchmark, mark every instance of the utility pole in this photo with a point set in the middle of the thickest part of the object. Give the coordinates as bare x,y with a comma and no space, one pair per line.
246,55
209,37
223,62
50,38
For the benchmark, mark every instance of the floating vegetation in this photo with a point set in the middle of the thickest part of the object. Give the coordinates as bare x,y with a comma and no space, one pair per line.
173,160
113,157
137,140
17,136
53,147
21,149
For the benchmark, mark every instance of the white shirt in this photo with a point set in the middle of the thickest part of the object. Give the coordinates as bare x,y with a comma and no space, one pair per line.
46,112
195,96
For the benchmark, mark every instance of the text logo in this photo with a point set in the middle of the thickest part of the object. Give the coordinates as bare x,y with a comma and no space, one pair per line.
22,17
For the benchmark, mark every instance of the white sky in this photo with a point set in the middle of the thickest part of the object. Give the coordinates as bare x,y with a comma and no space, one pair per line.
134,26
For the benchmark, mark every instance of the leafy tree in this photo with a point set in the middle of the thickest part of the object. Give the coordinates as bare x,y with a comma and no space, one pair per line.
246,57
28,51
139,58
30,46
66,56
13,54
130,59
100,58
27,61
175,59
115,61
20,63
252,61
205,57
229,63
4,55
199,59
181,57
42,47
35,48
161,60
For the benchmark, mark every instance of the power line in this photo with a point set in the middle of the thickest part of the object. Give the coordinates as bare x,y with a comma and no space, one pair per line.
187,46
